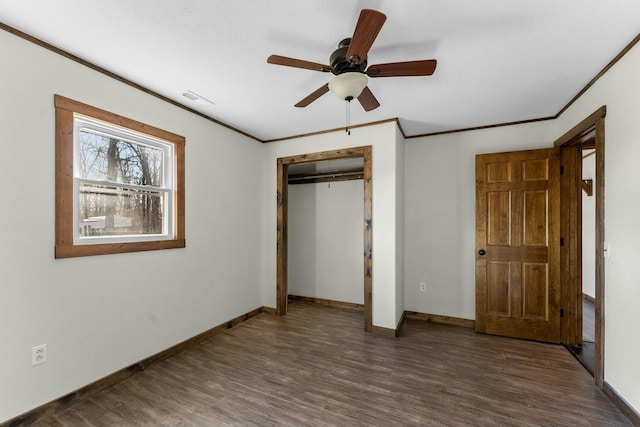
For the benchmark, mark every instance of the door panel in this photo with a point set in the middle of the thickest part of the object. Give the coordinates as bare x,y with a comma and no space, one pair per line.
498,276
498,208
534,285
535,232
517,243
535,170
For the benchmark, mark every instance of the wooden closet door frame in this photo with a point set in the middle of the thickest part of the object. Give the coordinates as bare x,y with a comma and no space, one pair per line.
282,221
589,131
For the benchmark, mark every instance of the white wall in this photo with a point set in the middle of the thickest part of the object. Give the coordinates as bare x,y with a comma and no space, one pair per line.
400,231
100,314
326,243
382,138
589,229
440,213
619,90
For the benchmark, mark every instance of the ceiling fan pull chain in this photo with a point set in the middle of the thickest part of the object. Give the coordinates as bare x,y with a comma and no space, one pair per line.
348,117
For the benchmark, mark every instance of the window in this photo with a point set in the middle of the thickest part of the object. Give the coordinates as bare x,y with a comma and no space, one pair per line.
119,183
123,185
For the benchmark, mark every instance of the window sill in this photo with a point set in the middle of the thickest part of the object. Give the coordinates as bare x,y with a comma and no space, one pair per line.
71,251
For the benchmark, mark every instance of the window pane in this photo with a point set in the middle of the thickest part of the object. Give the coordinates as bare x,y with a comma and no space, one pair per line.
107,158
115,211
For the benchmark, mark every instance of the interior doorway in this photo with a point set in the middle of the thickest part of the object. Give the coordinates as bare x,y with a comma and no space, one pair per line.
283,165
585,352
586,138
584,346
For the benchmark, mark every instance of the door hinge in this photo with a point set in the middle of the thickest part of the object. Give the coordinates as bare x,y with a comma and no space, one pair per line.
562,241
561,170
562,312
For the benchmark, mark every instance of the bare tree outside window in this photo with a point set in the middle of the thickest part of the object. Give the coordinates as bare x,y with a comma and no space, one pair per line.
110,209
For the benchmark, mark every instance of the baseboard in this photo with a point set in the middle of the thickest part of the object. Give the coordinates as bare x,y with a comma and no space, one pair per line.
328,302
401,323
621,404
89,390
388,332
385,332
378,330
445,320
589,298
269,310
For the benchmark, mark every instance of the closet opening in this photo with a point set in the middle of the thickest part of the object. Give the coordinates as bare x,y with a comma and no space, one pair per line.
345,165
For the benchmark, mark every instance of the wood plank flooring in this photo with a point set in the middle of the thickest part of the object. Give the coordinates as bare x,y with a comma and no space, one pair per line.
317,367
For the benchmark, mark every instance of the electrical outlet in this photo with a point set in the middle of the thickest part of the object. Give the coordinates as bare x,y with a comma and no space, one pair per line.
423,287
38,354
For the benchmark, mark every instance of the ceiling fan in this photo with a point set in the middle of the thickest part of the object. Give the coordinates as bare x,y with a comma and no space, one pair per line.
349,65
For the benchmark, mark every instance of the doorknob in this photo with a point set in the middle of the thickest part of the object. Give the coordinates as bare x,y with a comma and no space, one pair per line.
481,252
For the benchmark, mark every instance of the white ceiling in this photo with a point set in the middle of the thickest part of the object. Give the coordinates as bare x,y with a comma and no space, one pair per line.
499,61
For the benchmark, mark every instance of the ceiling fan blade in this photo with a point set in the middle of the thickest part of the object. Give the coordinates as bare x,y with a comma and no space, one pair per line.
369,25
403,69
313,96
367,100
298,63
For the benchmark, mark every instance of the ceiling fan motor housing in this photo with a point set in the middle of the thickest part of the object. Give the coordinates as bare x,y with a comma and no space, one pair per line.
341,64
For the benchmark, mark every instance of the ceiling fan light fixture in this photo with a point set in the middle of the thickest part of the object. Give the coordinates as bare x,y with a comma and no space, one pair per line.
348,86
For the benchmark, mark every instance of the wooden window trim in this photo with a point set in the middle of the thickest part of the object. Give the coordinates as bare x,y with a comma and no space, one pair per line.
64,246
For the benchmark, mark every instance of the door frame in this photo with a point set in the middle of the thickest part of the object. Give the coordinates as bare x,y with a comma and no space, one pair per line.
588,132
282,221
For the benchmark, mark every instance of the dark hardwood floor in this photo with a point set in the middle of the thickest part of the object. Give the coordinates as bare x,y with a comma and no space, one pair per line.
317,367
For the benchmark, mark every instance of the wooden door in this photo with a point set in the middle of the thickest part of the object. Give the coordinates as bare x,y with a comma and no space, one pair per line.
518,244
